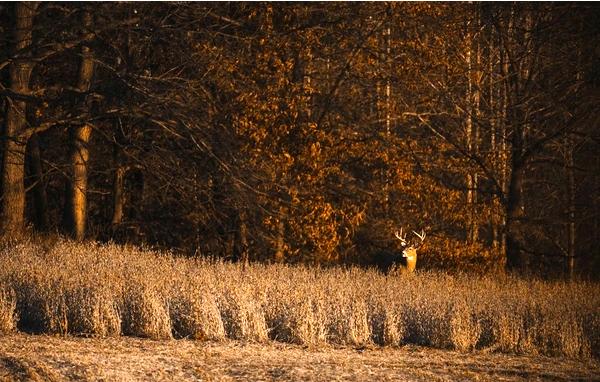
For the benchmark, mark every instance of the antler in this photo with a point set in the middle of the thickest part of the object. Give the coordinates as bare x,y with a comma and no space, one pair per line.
420,236
400,237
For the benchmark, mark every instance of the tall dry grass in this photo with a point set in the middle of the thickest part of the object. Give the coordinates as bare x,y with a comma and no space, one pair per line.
109,290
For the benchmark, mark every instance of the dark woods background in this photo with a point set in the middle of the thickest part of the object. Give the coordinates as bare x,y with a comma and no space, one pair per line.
307,132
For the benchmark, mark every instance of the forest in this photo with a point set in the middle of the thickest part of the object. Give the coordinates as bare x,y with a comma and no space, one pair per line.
307,132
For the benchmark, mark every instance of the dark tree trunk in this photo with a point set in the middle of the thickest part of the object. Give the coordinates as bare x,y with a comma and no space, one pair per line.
118,191
12,219
241,250
514,205
572,232
118,198
38,189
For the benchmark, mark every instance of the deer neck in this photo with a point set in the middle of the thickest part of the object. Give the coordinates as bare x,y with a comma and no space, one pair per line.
410,254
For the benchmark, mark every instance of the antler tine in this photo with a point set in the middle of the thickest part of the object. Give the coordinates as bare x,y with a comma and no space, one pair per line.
399,236
421,236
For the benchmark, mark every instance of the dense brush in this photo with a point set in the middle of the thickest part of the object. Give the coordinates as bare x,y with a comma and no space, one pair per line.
105,290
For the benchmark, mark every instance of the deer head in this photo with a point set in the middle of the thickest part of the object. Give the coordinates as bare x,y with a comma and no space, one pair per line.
409,250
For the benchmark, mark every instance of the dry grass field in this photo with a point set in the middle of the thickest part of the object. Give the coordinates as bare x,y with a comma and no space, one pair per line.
280,322
54,359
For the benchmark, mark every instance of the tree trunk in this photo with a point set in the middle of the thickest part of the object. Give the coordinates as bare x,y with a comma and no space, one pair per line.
472,132
509,242
596,201
38,190
118,191
388,118
280,241
12,222
503,157
572,187
571,247
514,198
476,133
241,250
514,212
495,116
118,197
80,137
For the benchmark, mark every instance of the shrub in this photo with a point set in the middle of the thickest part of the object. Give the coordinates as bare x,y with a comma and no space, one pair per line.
242,316
93,311
8,310
195,315
99,290
145,312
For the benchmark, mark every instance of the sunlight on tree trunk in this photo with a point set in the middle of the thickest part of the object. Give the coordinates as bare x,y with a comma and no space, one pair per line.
472,127
80,137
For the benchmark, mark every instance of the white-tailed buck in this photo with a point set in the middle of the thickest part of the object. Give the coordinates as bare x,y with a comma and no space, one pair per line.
408,262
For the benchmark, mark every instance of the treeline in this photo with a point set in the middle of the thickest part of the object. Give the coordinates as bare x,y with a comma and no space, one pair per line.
306,132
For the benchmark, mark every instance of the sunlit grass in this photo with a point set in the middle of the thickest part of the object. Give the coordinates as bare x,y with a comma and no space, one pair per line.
108,290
